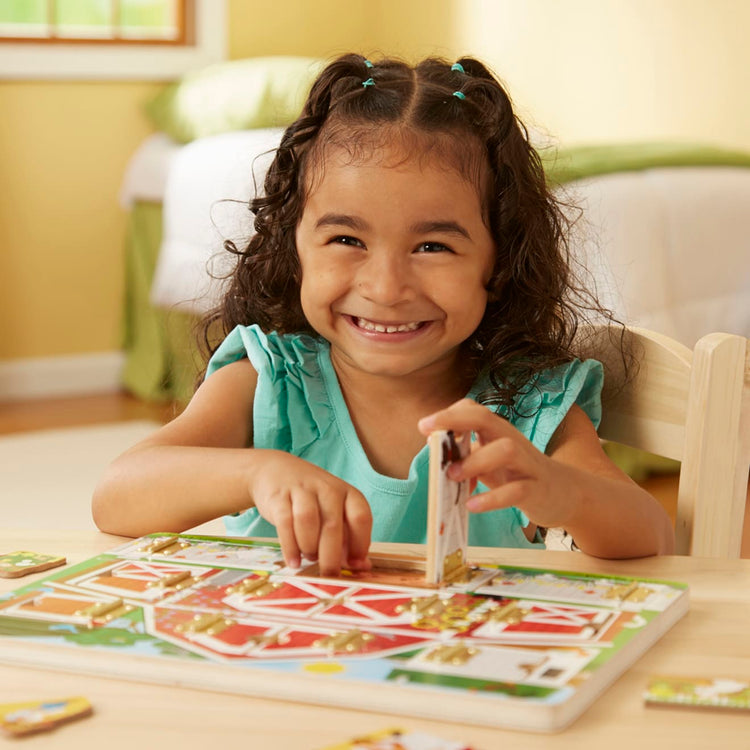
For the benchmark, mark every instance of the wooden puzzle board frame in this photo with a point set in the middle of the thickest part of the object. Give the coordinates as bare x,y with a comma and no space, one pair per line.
190,611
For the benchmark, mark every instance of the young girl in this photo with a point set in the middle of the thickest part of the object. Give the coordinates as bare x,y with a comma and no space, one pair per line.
409,273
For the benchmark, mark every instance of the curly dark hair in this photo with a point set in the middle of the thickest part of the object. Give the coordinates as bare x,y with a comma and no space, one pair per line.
535,299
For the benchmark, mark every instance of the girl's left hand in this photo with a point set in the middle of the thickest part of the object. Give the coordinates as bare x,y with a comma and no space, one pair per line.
503,459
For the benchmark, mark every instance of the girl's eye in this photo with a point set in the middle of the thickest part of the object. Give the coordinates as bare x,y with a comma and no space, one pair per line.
345,239
433,247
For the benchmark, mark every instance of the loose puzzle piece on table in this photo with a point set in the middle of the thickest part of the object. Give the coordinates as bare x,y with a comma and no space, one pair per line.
19,719
23,562
698,692
399,739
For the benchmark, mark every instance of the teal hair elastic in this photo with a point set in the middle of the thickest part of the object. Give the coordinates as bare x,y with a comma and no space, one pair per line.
368,82
458,68
368,64
459,95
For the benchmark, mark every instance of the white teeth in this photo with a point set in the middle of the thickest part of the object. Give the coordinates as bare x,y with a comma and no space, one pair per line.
368,325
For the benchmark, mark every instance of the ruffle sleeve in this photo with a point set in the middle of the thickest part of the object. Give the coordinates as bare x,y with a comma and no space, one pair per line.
289,391
542,407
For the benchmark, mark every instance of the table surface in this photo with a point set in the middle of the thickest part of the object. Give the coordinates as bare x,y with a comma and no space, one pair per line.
710,641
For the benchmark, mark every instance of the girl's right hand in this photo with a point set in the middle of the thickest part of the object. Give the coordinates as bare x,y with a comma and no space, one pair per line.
315,513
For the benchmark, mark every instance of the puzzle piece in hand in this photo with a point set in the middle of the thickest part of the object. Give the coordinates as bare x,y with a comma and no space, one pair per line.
23,562
18,719
447,516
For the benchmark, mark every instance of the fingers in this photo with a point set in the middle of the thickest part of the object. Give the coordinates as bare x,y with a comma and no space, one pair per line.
504,496
332,525
331,538
283,519
346,525
498,462
358,519
306,522
501,454
466,416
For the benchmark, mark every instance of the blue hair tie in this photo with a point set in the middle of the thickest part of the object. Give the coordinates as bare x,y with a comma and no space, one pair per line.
368,82
368,64
459,95
458,67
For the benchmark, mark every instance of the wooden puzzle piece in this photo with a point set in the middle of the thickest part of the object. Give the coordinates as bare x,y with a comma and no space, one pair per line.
389,569
24,562
585,589
536,622
145,580
447,515
698,692
209,551
255,638
167,546
548,668
19,719
399,739
63,606
341,603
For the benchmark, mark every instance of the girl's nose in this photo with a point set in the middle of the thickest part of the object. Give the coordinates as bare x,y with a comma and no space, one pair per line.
386,280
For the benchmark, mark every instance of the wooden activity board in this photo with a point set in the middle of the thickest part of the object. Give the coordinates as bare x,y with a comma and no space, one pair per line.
511,647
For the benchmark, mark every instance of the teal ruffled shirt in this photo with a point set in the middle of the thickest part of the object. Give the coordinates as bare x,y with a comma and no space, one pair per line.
299,408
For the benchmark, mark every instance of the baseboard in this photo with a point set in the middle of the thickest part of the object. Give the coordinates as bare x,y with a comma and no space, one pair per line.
70,375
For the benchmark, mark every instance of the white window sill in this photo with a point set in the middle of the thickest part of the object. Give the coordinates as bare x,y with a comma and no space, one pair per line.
129,62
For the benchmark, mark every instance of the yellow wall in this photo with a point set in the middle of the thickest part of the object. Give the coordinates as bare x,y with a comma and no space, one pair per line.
582,69
597,70
63,149
406,28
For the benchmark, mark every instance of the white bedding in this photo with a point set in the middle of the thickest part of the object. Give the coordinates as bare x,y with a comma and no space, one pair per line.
669,248
675,247
205,202
146,173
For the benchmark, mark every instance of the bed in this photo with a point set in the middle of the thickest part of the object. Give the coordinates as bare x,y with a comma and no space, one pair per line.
182,202
665,231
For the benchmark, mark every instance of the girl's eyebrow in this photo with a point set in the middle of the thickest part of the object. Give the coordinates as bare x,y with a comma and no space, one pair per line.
341,220
442,227
423,227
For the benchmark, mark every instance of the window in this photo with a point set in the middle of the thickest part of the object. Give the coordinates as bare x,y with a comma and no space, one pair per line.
94,39
118,21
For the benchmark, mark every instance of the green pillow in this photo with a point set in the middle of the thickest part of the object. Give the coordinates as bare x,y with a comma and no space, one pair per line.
261,92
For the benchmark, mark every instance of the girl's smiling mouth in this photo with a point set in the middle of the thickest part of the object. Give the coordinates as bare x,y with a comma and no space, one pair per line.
372,326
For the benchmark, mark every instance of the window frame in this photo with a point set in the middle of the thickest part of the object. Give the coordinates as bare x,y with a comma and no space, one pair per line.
127,61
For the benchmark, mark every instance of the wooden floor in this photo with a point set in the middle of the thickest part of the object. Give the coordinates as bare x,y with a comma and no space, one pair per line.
40,414
43,414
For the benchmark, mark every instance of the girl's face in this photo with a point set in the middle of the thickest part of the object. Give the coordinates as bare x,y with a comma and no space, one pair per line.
395,258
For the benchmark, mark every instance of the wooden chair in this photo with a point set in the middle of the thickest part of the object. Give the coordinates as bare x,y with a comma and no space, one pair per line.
692,406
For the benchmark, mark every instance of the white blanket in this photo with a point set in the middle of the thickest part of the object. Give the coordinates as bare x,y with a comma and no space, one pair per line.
205,203
668,248
147,170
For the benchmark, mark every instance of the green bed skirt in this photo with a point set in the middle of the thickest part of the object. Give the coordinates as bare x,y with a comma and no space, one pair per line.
162,359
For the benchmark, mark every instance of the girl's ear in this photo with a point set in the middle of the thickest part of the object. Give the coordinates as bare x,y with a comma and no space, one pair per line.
297,273
491,289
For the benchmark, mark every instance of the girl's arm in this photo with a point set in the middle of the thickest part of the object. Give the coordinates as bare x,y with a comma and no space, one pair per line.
574,486
201,466
190,470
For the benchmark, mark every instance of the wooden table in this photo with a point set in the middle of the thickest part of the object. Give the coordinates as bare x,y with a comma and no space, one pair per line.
713,639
